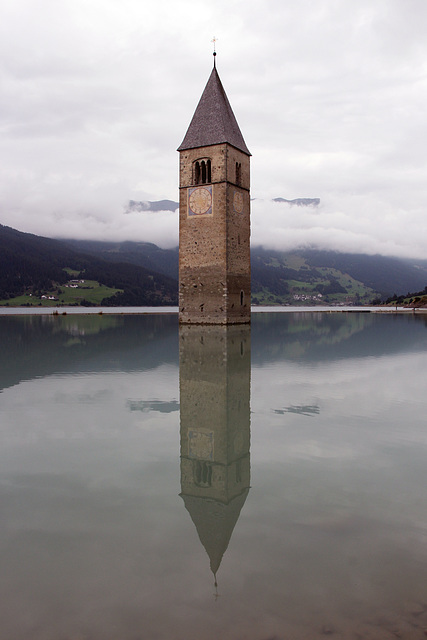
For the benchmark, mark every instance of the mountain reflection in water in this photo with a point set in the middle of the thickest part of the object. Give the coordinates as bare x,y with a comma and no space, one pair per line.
288,459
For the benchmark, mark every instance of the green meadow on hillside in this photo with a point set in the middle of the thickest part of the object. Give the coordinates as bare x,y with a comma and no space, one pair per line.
86,293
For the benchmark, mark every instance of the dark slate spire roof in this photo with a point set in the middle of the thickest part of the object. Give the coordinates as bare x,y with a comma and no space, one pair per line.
214,121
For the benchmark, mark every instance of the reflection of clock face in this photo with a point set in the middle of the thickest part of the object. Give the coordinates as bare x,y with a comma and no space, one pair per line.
200,444
200,201
238,202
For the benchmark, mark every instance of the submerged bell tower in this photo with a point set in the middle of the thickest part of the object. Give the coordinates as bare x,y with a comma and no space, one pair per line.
214,214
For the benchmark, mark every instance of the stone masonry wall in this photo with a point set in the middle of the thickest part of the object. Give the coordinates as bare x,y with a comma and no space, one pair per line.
214,248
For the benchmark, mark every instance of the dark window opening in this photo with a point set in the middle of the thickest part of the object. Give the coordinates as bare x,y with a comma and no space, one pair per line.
202,473
202,172
238,172
241,298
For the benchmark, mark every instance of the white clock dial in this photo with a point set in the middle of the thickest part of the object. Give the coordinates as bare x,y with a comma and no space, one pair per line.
200,201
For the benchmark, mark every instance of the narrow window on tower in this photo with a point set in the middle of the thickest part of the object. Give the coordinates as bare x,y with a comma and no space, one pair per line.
202,473
196,173
203,172
241,298
209,176
238,172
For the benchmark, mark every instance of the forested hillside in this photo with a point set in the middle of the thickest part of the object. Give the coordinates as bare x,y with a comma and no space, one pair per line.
139,273
34,265
297,277
292,277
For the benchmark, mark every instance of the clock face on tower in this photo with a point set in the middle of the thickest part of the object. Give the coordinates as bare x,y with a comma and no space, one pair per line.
238,202
199,201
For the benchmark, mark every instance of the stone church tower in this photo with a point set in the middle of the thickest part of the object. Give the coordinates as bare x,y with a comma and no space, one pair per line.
214,215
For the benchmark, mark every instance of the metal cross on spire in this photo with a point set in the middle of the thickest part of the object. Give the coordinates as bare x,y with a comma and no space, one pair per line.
214,40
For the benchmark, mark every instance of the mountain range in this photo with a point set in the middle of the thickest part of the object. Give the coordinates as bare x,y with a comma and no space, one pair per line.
140,273
30,264
171,205
148,205
291,277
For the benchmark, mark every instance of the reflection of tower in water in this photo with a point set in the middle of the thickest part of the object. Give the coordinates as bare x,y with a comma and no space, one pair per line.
214,374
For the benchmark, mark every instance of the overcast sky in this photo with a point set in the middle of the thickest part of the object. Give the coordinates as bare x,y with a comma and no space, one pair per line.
330,95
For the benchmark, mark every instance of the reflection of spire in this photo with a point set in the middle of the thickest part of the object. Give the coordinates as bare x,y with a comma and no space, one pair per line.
215,523
216,594
215,431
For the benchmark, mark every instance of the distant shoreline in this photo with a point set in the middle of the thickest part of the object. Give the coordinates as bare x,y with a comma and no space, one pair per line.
63,311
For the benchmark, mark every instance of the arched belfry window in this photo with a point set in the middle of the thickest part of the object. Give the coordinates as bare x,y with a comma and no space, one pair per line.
202,171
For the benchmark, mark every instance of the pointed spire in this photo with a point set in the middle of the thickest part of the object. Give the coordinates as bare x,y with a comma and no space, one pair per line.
213,121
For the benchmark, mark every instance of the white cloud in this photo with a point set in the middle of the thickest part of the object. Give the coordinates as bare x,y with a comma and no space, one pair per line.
96,97
348,223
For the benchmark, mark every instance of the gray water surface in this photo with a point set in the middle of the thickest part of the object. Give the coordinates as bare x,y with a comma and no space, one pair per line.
244,483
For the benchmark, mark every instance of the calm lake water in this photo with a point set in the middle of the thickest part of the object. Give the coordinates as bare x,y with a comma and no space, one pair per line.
262,483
